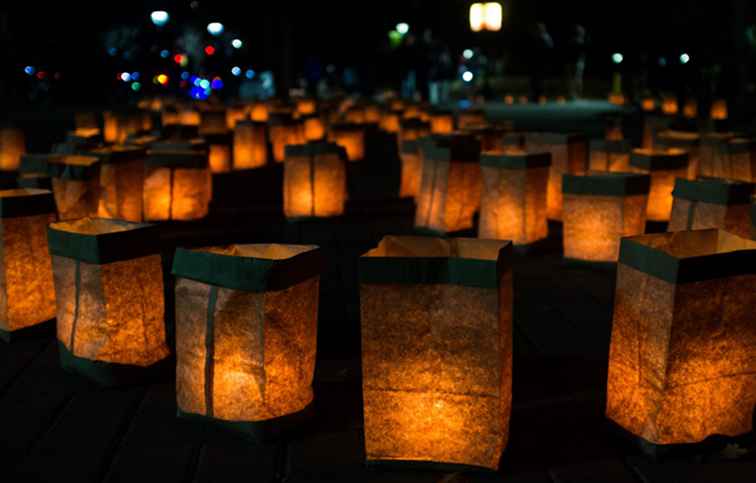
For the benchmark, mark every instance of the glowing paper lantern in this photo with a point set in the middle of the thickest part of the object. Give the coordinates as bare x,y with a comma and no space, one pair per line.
177,185
250,145
718,110
26,283
305,107
413,129
712,203
283,131
569,155
690,109
670,106
648,104
121,182
681,363
76,185
314,180
246,329
355,115
436,350
351,137
372,114
513,199
219,154
314,128
687,141
485,16
397,104
109,289
412,167
599,209
12,147
618,99
471,118
451,183
742,159
259,112
235,114
442,122
391,121
613,156
664,167
714,157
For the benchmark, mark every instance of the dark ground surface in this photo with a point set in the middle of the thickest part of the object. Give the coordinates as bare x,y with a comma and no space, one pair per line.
57,427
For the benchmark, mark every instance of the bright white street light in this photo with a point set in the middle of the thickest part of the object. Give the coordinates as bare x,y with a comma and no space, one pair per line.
684,58
159,17
617,58
467,54
402,28
467,76
215,28
237,43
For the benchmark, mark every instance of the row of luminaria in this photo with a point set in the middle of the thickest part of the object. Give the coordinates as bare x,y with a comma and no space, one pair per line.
436,312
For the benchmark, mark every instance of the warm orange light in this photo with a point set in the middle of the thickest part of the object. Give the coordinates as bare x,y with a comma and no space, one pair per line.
235,114
442,122
121,182
26,283
486,16
509,99
436,354
250,145
239,364
673,378
314,128
314,180
663,167
617,99
712,203
76,185
513,199
690,109
259,112
719,110
600,209
177,186
162,79
305,107
351,137
569,155
284,131
670,106
108,310
12,147
471,118
451,183
648,104
390,121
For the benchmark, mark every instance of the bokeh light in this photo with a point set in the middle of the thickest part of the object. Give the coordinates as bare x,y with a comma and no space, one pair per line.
162,79
217,83
468,54
617,58
204,83
159,17
215,28
125,76
209,50
164,54
135,86
29,70
684,58
467,76
402,28
250,74
236,70
237,43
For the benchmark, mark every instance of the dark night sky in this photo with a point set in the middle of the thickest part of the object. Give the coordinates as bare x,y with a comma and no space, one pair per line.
68,35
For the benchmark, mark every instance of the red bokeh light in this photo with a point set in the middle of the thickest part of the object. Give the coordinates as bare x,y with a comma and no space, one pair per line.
210,50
